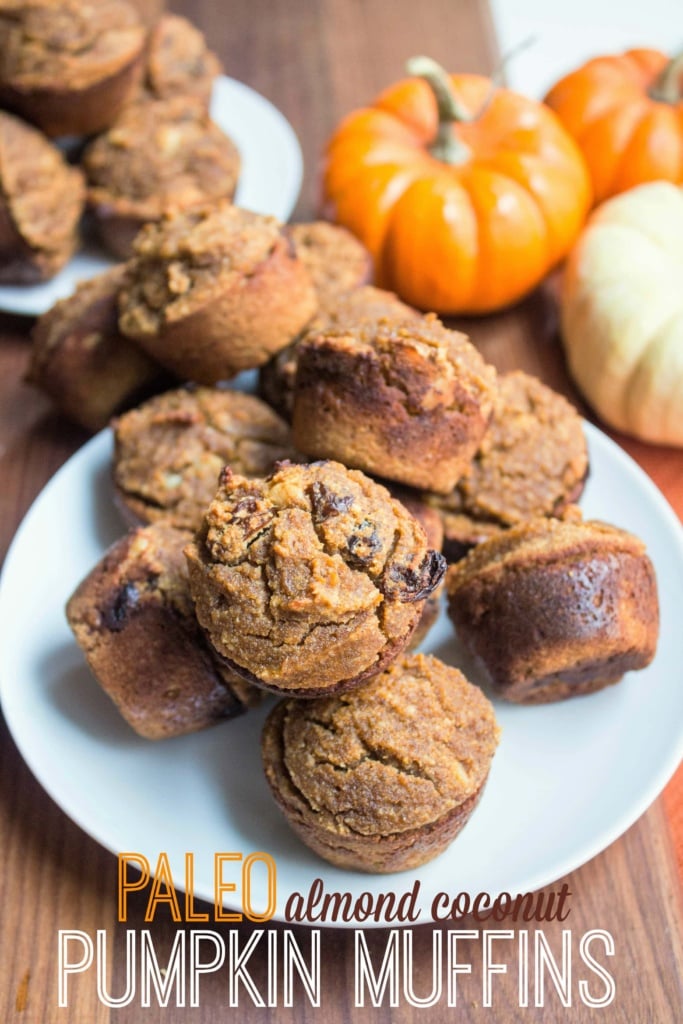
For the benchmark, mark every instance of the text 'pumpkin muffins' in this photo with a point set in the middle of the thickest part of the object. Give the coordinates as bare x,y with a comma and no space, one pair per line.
41,202
67,66
169,452
533,461
311,580
214,290
134,619
553,609
406,401
384,778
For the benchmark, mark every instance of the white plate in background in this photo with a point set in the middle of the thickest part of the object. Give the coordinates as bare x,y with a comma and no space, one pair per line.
270,180
567,779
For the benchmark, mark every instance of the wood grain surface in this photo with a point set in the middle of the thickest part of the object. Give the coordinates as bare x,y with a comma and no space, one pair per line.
316,61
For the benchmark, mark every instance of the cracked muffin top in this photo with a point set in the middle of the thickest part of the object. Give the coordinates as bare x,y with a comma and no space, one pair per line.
41,201
169,452
160,155
66,44
179,63
532,462
312,579
399,753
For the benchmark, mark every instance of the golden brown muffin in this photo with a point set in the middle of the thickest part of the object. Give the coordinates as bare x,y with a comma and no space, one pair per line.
406,401
384,778
360,305
69,66
336,260
312,580
179,63
134,620
214,290
532,462
81,360
41,201
169,452
553,609
157,156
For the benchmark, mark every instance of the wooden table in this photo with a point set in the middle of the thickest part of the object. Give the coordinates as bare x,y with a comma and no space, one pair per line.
316,61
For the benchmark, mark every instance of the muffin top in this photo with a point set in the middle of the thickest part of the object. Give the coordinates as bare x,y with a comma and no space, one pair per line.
400,752
335,259
179,63
169,452
66,44
42,193
532,461
185,259
160,156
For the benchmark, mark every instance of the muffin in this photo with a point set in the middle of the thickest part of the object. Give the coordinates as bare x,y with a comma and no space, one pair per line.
69,67
335,259
366,303
179,63
158,156
553,609
430,521
169,452
214,290
312,580
41,201
532,462
81,360
134,620
406,401
383,779
149,10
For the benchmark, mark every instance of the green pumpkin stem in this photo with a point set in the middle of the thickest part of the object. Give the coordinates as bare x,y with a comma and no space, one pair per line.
667,87
446,145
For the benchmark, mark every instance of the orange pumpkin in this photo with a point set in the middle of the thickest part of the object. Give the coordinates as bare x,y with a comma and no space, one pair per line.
464,194
626,113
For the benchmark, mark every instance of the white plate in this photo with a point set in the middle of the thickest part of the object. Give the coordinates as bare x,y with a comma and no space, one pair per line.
567,779
270,180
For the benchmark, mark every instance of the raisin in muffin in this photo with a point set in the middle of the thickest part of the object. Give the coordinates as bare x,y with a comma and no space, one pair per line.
406,401
157,156
169,452
312,580
384,778
134,620
179,62
214,290
553,609
81,360
69,67
360,305
430,521
41,201
532,462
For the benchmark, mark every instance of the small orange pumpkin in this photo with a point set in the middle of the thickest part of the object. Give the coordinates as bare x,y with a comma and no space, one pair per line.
465,195
626,113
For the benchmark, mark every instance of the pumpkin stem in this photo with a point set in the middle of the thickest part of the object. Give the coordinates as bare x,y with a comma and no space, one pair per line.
446,146
667,87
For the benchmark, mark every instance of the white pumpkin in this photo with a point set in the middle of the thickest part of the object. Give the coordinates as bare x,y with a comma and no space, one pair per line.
622,312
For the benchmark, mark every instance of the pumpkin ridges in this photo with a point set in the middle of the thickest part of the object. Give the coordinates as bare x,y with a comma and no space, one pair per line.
603,142
661,361
654,150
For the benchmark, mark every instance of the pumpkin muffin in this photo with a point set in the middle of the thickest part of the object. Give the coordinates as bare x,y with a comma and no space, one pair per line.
149,10
134,620
532,462
214,290
406,401
81,360
68,66
312,580
366,303
383,779
41,201
157,156
430,521
553,609
169,452
336,260
179,63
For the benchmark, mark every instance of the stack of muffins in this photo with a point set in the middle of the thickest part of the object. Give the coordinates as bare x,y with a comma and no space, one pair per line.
126,89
